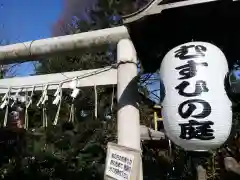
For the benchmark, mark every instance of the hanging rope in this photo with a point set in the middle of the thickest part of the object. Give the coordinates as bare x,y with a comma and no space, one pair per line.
26,111
15,97
113,94
72,109
6,103
44,97
170,147
44,110
72,113
58,100
42,101
28,102
44,116
96,101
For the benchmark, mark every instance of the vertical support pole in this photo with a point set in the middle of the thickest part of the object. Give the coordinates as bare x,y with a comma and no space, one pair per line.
127,94
128,113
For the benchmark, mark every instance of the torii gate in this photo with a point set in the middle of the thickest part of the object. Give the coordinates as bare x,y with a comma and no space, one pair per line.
124,77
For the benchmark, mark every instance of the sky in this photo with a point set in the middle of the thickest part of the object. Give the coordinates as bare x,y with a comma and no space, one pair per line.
26,20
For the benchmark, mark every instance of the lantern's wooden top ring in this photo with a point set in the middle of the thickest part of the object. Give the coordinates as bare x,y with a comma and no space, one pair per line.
163,24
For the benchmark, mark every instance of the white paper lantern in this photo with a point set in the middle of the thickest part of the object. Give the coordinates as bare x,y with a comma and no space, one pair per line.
196,109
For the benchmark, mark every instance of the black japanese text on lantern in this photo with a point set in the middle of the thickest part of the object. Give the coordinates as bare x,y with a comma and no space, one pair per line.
195,128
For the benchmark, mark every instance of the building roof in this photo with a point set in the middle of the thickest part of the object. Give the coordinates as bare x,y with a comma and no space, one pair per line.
215,22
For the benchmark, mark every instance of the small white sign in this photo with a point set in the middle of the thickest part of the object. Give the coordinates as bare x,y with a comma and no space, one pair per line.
119,165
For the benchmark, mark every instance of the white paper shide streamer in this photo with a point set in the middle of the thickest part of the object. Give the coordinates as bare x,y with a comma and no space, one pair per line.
196,109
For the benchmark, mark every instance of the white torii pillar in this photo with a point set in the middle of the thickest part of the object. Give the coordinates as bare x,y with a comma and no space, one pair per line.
127,91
